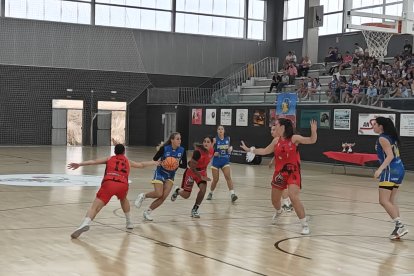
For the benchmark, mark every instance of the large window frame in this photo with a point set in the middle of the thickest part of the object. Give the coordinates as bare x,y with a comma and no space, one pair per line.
241,19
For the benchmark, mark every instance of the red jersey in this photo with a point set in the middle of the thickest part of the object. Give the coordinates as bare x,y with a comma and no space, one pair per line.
117,169
286,155
205,158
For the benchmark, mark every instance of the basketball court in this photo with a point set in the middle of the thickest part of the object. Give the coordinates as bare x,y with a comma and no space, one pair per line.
349,229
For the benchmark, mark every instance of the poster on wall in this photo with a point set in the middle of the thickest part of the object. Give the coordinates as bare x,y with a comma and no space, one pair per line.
225,117
242,117
366,122
323,117
342,119
196,116
211,115
407,125
273,117
259,117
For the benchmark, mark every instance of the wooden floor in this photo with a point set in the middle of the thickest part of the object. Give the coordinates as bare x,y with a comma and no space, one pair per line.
349,228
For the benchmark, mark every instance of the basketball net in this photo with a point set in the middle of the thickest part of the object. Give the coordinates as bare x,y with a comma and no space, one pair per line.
377,43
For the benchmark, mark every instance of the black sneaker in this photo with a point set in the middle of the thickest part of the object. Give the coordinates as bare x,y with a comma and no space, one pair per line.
175,194
233,197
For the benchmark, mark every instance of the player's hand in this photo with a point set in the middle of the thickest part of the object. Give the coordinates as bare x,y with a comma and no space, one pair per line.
377,173
73,166
230,149
313,125
244,147
216,154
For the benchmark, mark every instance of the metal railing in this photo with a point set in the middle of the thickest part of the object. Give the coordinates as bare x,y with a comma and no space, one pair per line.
179,95
261,68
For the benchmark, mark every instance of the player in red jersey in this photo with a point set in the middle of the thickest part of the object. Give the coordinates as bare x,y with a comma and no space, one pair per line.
114,182
196,173
287,165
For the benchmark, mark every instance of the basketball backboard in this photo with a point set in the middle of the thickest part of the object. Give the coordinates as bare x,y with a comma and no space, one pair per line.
395,17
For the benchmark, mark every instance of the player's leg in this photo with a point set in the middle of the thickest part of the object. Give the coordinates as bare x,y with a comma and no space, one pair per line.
186,186
166,189
286,204
127,211
216,176
157,193
227,175
294,195
93,210
200,196
275,196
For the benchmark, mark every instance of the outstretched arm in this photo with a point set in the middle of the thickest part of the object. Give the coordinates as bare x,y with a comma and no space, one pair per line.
74,166
143,164
299,139
260,151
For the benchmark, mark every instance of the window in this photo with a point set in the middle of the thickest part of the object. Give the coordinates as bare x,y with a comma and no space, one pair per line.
293,19
332,17
50,10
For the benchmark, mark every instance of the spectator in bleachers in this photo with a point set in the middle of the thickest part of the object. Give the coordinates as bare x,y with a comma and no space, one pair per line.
408,49
292,73
358,53
400,91
290,58
346,62
332,87
304,67
276,79
332,56
371,94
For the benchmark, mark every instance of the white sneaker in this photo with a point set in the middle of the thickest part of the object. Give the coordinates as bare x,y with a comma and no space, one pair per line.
79,231
147,216
129,225
305,230
195,213
398,232
210,196
139,200
275,216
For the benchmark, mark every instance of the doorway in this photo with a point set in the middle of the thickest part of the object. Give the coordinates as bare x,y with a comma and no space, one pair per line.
67,122
111,123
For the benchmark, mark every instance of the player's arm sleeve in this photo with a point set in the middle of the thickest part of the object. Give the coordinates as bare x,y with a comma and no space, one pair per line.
183,161
159,154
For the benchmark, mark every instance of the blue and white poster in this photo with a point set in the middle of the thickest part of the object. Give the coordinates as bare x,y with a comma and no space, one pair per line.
286,107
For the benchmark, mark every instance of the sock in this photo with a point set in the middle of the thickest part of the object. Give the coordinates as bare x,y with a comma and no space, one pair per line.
289,202
398,221
211,192
149,210
196,207
86,221
232,192
128,217
303,222
285,201
279,211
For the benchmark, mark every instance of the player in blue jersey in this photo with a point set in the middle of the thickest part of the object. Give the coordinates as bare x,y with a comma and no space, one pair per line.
221,161
164,178
391,171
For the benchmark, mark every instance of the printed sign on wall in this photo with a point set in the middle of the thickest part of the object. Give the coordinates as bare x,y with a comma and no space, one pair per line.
242,116
211,117
225,117
366,122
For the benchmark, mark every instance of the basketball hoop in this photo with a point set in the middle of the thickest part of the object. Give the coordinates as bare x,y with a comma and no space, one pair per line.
377,41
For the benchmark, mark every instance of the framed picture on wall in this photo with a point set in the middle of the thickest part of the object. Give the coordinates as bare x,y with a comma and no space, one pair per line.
259,117
323,117
196,116
342,119
211,117
242,116
272,117
407,125
225,117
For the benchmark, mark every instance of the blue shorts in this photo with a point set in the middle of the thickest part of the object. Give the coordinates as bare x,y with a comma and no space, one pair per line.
161,176
392,178
219,163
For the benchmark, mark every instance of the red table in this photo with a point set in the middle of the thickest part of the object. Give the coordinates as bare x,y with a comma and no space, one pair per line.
354,158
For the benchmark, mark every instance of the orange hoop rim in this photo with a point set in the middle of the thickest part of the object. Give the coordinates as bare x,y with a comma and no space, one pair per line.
384,25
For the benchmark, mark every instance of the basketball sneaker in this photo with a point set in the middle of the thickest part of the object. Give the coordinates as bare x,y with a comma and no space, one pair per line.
175,194
139,200
276,215
287,208
233,197
129,225
195,213
79,231
147,216
398,232
210,196
305,230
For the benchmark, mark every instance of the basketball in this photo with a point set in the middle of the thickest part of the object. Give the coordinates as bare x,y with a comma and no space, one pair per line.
170,163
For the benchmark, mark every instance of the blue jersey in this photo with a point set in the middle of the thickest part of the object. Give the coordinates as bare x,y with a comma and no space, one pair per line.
161,174
222,146
394,172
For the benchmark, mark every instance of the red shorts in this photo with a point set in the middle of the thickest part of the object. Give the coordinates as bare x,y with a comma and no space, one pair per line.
190,177
281,180
110,188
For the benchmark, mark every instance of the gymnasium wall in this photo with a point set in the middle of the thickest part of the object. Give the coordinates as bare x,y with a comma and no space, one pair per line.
328,139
